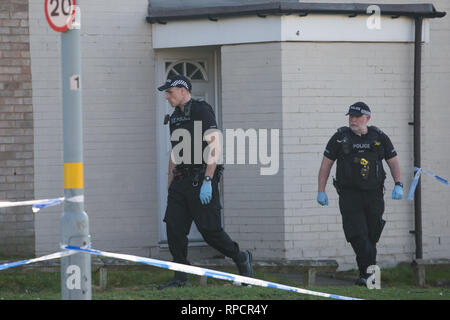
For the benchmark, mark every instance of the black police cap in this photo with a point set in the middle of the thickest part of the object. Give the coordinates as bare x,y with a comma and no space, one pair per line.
358,109
176,81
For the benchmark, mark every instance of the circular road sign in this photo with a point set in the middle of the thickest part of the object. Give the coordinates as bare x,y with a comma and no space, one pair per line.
60,14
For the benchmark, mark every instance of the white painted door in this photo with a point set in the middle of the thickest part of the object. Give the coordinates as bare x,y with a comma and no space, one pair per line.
199,65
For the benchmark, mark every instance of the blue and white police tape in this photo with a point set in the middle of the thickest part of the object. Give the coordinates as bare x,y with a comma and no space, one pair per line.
415,181
43,258
444,181
205,272
40,204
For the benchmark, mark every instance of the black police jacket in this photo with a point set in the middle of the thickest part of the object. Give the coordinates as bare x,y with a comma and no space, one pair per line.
197,117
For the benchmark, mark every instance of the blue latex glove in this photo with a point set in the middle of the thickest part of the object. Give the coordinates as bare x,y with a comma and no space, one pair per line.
322,198
397,193
206,192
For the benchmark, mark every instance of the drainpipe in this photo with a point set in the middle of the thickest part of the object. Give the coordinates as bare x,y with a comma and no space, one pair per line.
417,143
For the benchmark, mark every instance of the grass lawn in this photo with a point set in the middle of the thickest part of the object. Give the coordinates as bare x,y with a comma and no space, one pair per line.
397,284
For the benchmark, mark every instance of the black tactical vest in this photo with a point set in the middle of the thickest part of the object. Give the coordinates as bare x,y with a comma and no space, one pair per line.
359,164
186,120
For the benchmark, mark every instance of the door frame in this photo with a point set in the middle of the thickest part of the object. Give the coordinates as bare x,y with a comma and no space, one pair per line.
162,144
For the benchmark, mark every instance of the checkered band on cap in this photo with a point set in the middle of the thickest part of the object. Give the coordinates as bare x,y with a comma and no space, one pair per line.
176,81
180,82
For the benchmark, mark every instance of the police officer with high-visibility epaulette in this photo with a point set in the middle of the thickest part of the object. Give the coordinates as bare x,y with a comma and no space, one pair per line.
193,192
359,150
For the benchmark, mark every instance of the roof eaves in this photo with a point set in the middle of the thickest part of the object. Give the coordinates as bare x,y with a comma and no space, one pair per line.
163,15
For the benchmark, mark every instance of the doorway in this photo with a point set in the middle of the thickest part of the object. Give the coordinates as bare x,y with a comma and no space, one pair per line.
201,66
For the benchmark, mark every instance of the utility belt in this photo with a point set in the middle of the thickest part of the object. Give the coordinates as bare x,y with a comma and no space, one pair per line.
195,172
339,187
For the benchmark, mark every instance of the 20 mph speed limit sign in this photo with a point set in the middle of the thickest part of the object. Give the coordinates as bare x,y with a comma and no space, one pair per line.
60,14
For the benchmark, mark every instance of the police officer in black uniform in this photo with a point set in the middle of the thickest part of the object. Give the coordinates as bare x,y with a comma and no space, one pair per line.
359,150
193,193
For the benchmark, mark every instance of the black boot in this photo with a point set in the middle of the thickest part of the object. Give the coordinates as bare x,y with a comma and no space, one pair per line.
361,282
245,264
179,280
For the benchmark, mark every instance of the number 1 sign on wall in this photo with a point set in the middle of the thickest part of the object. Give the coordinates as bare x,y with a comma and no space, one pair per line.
60,14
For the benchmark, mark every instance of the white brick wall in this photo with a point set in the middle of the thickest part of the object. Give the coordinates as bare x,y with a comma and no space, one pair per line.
320,81
395,90
119,134
251,98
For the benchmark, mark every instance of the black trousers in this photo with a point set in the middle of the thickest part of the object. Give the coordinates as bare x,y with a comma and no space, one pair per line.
362,213
183,208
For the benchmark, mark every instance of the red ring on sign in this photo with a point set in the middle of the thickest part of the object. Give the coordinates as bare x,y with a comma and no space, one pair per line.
65,27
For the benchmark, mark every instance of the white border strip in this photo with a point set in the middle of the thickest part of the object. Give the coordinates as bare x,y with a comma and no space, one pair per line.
312,28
